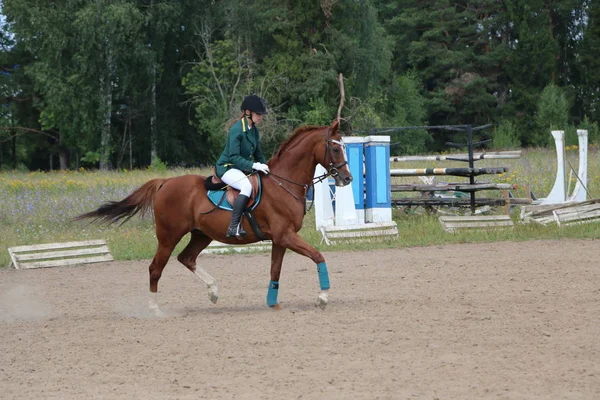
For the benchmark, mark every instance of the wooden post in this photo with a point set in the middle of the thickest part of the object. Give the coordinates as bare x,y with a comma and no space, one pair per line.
506,196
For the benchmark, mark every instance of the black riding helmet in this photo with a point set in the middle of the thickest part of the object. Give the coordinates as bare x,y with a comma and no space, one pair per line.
255,104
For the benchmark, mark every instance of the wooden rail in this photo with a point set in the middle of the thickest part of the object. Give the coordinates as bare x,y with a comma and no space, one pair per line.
456,202
455,187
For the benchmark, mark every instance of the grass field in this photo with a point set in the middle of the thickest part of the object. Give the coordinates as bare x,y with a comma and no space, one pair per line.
38,207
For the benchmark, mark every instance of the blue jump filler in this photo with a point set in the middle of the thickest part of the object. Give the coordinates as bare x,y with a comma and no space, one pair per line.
272,293
378,202
323,275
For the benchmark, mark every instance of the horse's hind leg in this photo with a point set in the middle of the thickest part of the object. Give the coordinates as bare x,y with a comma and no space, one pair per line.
188,256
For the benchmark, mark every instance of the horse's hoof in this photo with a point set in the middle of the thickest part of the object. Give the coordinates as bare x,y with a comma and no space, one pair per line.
155,311
276,307
153,306
323,300
213,294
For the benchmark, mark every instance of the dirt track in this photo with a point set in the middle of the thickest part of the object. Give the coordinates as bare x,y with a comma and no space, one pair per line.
475,321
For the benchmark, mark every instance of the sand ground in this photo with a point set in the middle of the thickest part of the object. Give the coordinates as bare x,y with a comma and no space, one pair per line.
472,321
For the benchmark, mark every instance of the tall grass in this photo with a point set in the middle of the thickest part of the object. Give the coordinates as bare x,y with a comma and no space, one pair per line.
39,207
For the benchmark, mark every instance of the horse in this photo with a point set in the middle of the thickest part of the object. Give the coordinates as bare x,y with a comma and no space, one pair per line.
181,206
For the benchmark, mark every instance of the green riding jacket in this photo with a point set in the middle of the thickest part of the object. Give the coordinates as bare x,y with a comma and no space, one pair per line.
242,149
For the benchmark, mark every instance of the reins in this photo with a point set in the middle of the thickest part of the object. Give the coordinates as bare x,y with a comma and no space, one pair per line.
305,186
331,171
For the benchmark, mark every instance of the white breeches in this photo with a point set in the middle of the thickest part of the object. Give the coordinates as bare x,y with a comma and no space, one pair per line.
238,180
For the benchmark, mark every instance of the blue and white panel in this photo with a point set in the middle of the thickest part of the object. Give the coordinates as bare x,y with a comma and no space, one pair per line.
378,204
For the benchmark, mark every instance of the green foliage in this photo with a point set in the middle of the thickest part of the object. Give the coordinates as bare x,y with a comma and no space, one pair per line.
364,115
588,69
592,128
318,114
91,157
506,136
552,114
157,165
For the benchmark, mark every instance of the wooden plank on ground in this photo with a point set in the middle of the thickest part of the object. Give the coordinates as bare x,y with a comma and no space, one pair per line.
71,261
366,231
59,254
362,234
63,245
455,223
216,247
62,254
563,214
365,226
455,218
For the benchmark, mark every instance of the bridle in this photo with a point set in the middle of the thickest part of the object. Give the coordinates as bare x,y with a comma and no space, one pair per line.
332,170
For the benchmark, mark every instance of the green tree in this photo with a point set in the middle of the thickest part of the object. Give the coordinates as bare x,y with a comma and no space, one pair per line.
588,71
79,48
552,114
456,51
543,34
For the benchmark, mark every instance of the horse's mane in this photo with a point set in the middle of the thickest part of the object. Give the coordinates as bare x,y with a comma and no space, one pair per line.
292,138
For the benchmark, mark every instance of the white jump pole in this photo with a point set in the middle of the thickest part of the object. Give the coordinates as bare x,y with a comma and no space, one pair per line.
558,193
580,192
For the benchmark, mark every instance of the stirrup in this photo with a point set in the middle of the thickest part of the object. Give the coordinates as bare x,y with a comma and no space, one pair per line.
238,231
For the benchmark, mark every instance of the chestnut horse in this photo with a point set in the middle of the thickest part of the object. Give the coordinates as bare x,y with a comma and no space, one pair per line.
181,206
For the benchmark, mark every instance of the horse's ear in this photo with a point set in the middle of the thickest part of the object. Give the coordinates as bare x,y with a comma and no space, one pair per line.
335,127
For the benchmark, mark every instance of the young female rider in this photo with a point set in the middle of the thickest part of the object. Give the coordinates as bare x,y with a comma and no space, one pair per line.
242,155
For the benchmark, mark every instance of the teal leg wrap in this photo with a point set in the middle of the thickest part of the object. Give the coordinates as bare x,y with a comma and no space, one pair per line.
323,275
272,293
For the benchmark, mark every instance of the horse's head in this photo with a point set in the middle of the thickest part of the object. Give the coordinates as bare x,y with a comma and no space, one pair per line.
334,157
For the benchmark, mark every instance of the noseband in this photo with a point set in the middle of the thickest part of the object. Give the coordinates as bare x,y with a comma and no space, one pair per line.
332,169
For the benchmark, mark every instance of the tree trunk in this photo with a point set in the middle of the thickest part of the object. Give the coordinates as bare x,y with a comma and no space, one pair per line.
106,87
63,158
14,152
130,141
153,130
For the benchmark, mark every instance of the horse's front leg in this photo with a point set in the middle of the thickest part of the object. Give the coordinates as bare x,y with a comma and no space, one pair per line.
294,242
277,253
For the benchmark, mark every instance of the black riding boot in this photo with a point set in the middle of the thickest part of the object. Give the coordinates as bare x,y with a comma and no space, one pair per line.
235,227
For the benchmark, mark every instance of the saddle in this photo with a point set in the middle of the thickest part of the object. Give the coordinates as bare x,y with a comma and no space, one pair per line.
216,192
213,184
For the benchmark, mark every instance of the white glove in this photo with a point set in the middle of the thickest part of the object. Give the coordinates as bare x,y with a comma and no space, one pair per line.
264,168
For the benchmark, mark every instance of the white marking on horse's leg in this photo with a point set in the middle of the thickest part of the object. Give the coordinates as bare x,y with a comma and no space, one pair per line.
153,305
211,284
323,299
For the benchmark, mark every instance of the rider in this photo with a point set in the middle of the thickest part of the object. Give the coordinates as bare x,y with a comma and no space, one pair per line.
242,155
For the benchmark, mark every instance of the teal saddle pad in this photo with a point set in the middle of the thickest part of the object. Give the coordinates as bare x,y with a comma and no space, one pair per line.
216,197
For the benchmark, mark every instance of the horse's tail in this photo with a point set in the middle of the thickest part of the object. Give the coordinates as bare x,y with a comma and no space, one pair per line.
139,201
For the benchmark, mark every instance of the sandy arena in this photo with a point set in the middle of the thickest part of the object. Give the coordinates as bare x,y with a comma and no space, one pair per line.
472,321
